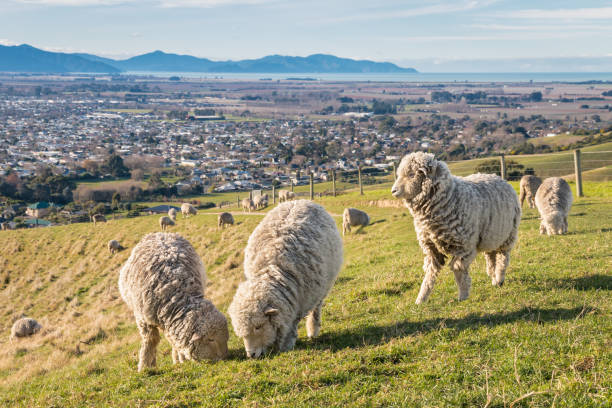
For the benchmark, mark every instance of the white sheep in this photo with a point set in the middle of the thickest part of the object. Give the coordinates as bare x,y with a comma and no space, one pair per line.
247,204
458,217
98,218
163,284
188,209
165,222
290,263
554,201
261,201
24,327
352,217
114,246
224,219
528,187
172,214
285,195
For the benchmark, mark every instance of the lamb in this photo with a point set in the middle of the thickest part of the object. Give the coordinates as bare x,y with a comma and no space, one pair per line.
163,284
165,222
457,217
188,209
114,246
225,218
98,218
172,214
528,187
352,217
554,201
24,327
291,262
247,204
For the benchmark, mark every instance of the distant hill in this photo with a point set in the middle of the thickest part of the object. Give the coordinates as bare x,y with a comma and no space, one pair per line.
25,58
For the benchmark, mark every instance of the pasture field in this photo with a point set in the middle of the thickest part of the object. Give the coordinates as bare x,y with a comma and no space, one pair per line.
542,339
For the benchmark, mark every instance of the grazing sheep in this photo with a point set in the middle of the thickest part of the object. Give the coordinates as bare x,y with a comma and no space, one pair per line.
188,209
247,204
98,218
172,214
528,187
285,195
163,284
225,218
457,217
290,263
114,246
165,222
554,201
352,217
261,201
25,327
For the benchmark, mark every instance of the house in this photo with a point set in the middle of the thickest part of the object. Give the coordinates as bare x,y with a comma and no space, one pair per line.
36,222
39,209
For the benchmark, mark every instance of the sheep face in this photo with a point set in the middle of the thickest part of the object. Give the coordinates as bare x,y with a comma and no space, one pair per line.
211,345
261,333
417,174
555,224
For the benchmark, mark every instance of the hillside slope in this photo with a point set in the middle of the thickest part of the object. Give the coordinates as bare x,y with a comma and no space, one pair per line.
546,332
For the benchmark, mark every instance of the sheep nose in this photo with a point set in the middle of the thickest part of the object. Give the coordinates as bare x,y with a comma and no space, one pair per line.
252,355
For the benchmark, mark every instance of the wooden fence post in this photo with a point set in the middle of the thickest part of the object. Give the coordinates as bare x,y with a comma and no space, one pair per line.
502,159
238,200
333,172
394,172
273,194
291,184
311,186
360,183
578,170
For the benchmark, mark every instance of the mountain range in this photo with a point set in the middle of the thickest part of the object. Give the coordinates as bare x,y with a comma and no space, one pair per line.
25,58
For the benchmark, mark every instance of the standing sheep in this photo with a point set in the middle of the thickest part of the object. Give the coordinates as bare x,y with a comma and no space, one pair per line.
163,284
24,327
352,217
261,201
172,214
188,209
290,263
114,246
224,219
554,201
458,217
247,204
165,222
285,195
528,187
98,218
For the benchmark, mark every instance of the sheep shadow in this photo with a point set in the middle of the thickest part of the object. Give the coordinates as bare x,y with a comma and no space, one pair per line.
590,282
375,335
378,221
581,214
590,231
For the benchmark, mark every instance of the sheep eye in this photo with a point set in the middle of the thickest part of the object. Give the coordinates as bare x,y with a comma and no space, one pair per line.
257,327
211,340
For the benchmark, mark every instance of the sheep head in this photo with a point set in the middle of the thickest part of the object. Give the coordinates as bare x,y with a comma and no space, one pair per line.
209,342
417,175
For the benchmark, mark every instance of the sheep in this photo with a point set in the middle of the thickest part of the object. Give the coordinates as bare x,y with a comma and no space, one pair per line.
163,283
291,262
261,201
554,201
285,195
188,209
457,217
98,218
528,187
4,226
114,246
172,214
225,218
24,327
247,204
165,222
352,217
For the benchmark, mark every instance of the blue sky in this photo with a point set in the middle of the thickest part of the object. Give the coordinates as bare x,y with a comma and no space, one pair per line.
404,32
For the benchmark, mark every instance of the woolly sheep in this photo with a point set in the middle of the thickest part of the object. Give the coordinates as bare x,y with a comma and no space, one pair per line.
4,226
163,284
98,218
291,262
172,214
285,195
225,218
25,327
260,201
188,209
352,217
247,204
457,217
165,222
554,201
528,187
114,246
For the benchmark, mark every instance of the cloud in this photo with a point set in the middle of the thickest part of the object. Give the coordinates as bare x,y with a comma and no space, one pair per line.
158,3
4,41
75,3
209,3
540,27
600,13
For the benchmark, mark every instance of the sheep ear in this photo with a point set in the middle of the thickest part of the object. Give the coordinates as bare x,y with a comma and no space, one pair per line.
195,337
270,311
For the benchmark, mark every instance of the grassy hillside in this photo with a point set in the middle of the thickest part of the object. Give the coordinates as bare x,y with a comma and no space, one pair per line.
544,336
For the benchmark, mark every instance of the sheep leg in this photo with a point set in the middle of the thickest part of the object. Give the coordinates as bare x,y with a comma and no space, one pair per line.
313,321
345,227
502,261
431,267
531,201
543,228
522,197
148,348
460,268
287,338
490,261
175,356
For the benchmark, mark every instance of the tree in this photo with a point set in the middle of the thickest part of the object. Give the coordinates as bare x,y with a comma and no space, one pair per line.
535,96
116,200
114,165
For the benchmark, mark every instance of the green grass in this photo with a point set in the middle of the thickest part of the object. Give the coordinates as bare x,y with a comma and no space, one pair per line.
544,336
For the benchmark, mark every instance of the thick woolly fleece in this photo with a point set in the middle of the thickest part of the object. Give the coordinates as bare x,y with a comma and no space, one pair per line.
554,201
163,283
352,217
528,188
25,327
457,217
291,262
188,209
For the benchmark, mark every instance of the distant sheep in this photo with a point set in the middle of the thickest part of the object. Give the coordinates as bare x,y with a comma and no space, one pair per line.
352,217
4,226
554,201
285,195
98,218
528,187
172,214
114,246
165,222
458,217
25,327
261,201
224,219
290,263
163,284
247,204
188,210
